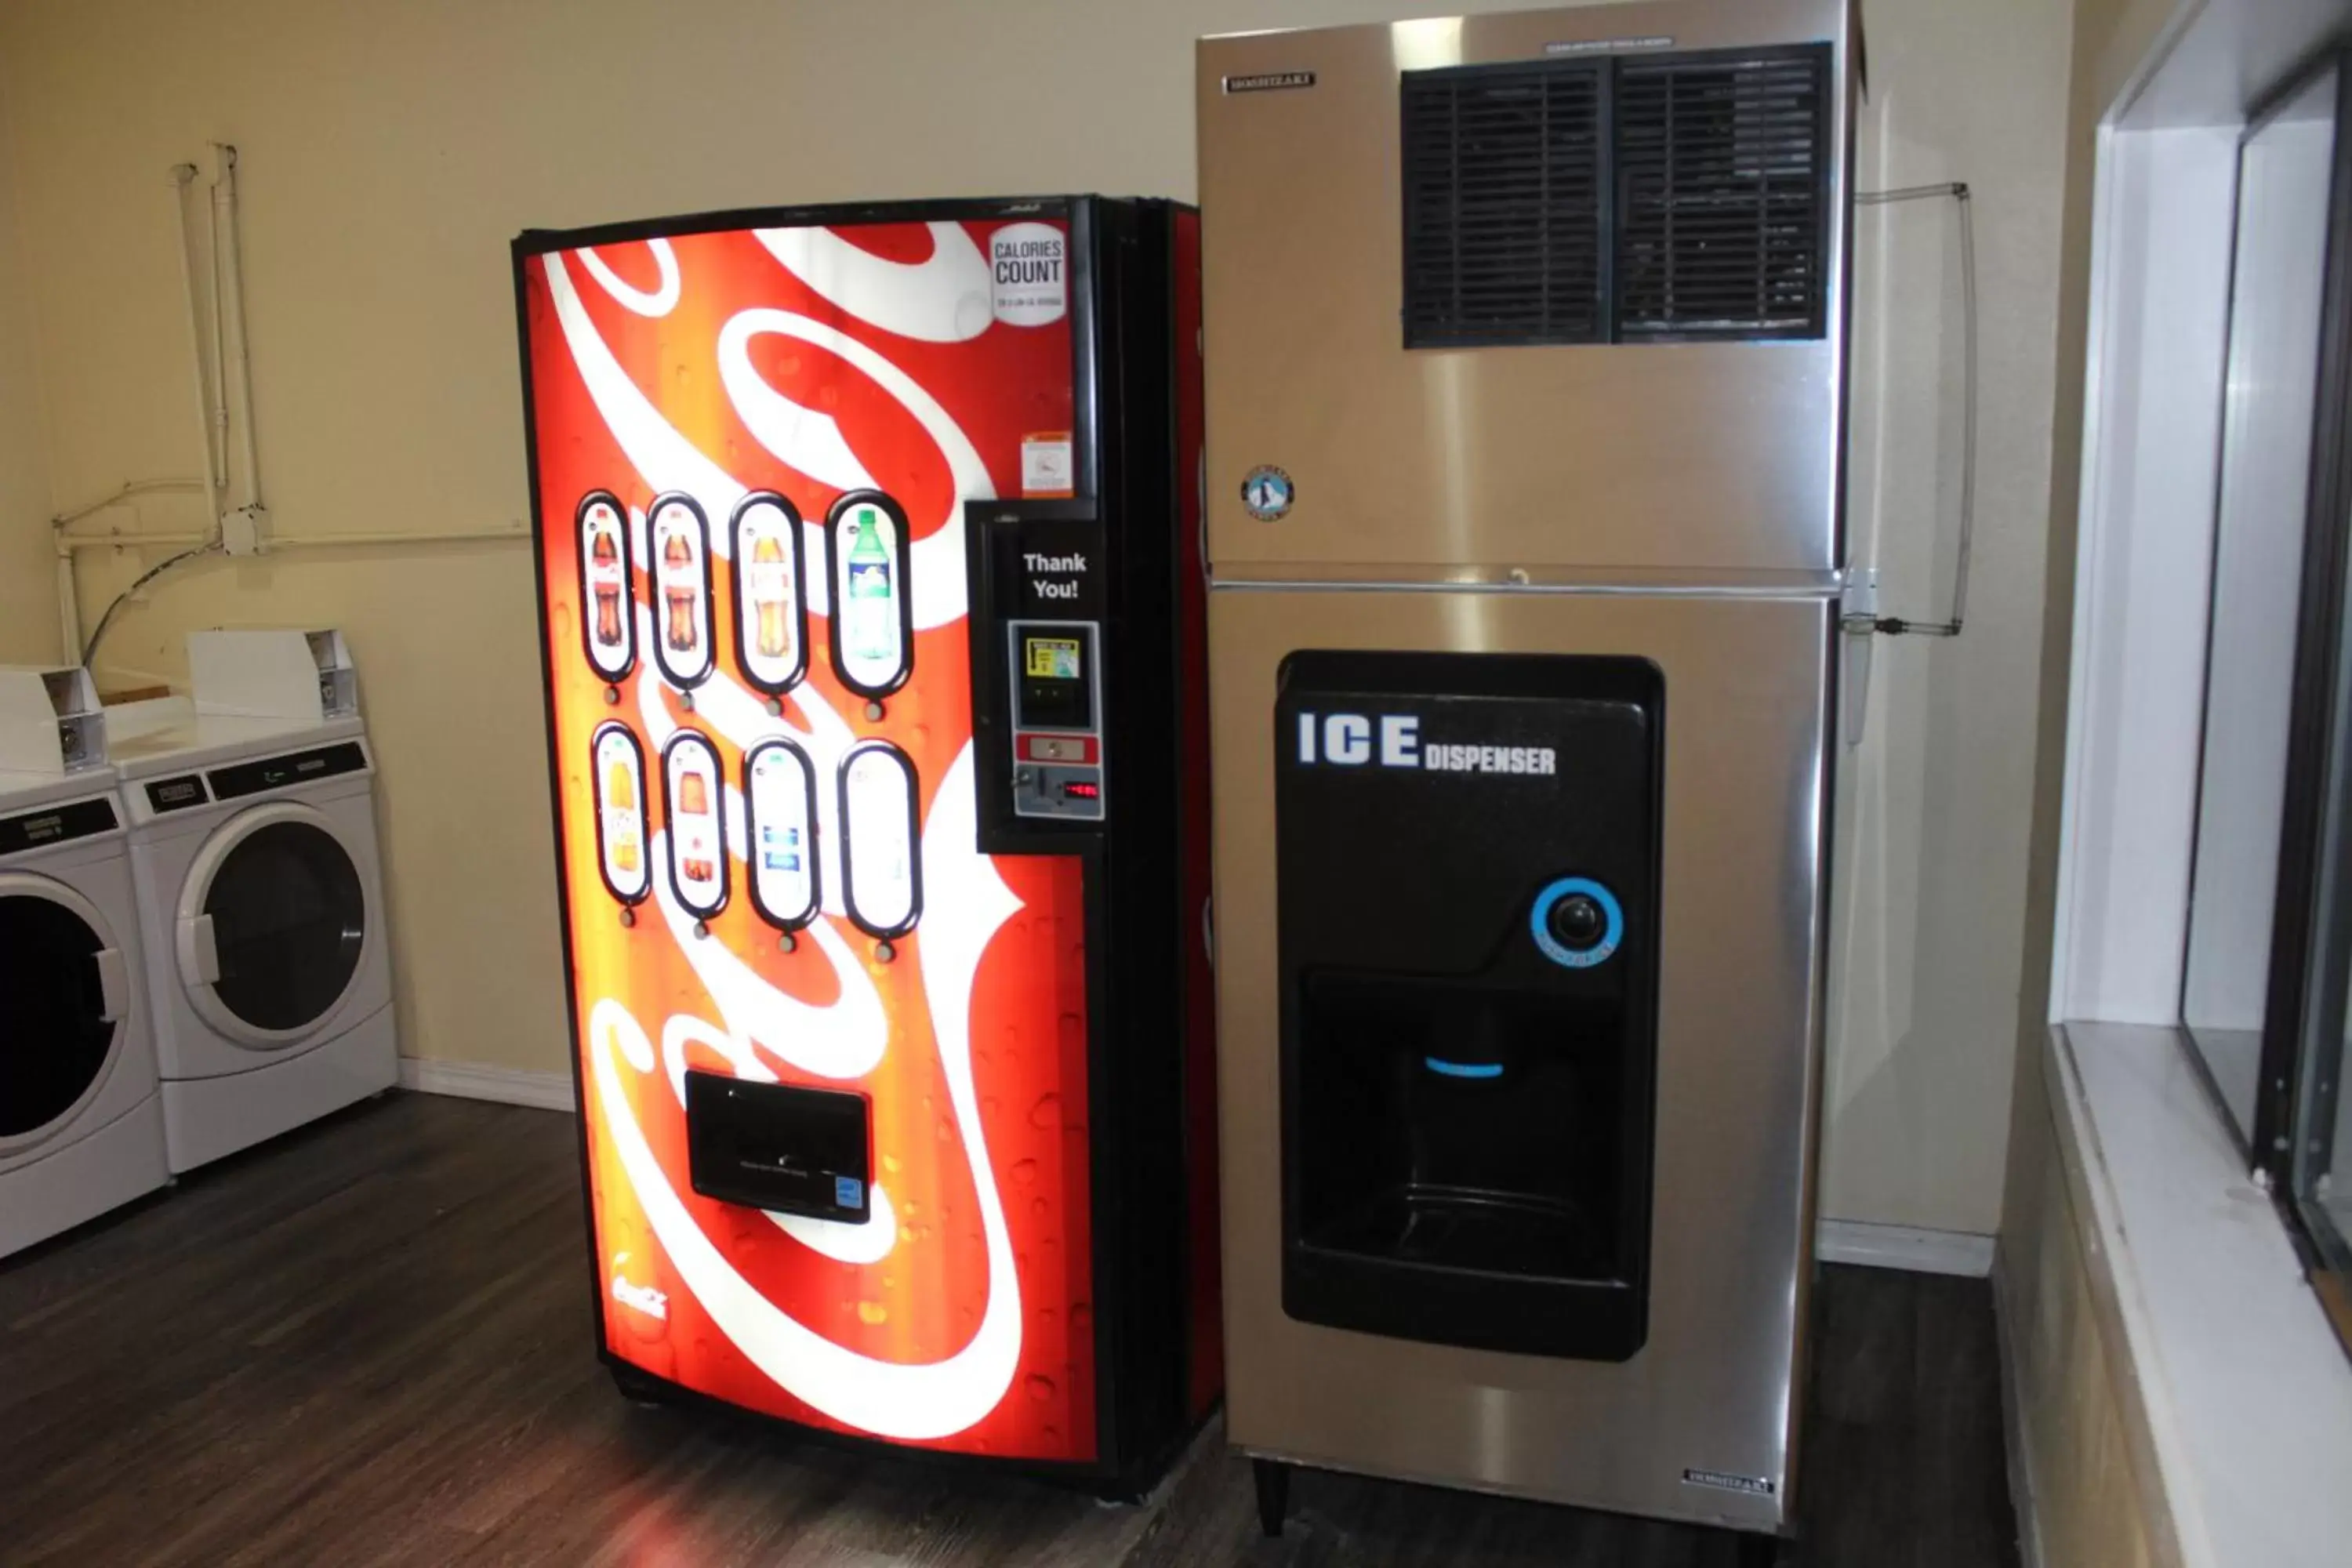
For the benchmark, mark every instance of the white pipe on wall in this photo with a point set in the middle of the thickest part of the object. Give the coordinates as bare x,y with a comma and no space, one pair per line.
68,606
214,432
212,415
215,459
130,489
229,288
395,537
69,543
74,543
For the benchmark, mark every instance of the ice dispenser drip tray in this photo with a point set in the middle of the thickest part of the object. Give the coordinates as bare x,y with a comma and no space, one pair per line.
1467,872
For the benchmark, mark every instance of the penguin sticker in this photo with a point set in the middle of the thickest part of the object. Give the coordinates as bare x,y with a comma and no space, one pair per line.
1267,493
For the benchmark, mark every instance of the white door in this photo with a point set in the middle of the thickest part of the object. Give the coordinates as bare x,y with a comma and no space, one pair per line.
67,993
272,922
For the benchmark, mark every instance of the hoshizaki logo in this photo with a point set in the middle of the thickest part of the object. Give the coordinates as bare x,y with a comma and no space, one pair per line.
1269,81
1754,1486
1394,741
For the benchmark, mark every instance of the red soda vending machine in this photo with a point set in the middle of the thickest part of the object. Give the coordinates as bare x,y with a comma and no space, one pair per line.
871,603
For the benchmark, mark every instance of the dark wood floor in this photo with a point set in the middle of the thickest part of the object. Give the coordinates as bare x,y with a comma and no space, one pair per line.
371,1343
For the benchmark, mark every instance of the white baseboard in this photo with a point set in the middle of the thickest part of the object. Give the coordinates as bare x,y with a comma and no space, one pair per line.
469,1081
1900,1246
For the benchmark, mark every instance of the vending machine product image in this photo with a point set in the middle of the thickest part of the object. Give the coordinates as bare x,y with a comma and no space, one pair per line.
873,617
1525,338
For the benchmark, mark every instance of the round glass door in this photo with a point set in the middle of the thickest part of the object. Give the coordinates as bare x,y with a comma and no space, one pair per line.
58,1040
288,919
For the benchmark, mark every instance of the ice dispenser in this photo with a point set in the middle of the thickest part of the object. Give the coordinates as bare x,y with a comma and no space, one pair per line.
1467,874
1529,417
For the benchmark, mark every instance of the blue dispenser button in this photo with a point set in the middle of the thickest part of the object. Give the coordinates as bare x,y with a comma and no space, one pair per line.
1580,903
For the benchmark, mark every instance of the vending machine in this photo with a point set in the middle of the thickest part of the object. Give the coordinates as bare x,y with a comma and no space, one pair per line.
1526,337
872,607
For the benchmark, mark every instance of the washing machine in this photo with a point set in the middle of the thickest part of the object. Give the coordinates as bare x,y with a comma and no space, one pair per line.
81,1127
253,849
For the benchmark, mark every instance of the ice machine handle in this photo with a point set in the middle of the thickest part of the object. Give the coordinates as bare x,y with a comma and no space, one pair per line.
199,957
113,986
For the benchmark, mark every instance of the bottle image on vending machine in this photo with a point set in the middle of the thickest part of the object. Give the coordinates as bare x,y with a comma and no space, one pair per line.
911,1143
621,818
698,839
781,800
866,539
681,551
677,592
770,586
608,634
618,770
604,571
771,619
873,628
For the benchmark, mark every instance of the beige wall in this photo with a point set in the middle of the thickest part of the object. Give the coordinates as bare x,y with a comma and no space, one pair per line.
1934,805
388,153
29,597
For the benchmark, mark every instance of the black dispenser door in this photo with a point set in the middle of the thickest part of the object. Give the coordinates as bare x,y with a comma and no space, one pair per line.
779,1147
1467,872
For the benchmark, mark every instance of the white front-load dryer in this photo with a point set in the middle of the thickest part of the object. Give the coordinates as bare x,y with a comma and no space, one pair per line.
81,1128
253,847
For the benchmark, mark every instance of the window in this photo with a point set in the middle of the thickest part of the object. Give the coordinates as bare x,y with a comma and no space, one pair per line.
2266,996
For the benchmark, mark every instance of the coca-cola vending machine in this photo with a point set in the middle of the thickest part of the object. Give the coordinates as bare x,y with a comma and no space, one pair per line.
871,603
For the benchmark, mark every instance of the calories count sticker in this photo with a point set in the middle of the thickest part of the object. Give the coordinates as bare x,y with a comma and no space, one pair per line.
1028,274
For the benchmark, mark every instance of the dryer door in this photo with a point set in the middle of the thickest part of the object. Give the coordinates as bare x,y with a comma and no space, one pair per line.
68,997
272,922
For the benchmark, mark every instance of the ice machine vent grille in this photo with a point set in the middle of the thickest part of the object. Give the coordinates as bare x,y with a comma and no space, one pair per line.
1504,177
1722,199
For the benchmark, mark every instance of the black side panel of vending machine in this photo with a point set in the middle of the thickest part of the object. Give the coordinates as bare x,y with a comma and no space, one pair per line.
1077,665
1141,1165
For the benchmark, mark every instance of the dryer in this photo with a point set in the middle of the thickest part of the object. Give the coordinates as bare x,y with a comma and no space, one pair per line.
253,849
81,1129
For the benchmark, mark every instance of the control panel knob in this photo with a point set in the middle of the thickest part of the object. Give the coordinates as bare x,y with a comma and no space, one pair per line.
1578,922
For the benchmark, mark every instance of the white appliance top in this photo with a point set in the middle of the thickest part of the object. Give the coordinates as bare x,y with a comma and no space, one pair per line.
161,741
23,791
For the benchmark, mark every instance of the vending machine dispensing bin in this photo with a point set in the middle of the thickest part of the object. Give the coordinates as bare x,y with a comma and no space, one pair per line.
1525,337
873,623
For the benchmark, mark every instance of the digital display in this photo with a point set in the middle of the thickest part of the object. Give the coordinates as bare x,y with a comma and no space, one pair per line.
1053,658
1055,685
1075,791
